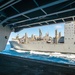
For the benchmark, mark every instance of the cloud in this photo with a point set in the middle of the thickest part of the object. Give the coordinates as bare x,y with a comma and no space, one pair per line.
58,26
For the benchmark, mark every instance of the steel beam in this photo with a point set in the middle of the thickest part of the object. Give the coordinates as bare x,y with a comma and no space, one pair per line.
10,5
38,6
6,3
54,21
73,18
42,16
63,20
40,24
19,12
45,21
35,9
67,5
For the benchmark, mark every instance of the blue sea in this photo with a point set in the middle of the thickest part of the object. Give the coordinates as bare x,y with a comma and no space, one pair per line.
54,57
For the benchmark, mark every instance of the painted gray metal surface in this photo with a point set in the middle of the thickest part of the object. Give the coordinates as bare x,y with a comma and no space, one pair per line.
4,36
44,47
67,47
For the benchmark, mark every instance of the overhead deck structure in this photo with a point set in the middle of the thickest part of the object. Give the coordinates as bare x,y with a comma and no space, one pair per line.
18,14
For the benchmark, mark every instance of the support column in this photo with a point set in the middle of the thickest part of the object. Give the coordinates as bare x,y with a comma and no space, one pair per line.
4,36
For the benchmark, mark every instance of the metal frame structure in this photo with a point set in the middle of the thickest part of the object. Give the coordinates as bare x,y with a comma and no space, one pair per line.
54,20
43,16
9,5
56,9
6,3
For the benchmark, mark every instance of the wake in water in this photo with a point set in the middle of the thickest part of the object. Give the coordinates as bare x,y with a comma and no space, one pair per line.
55,57
56,54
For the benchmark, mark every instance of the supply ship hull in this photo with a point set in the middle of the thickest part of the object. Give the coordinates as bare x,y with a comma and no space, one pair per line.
64,44
44,47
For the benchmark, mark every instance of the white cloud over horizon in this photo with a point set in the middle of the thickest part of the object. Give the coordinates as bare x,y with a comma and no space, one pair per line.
58,27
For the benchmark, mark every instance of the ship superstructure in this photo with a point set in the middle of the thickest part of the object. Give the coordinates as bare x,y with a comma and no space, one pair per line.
48,39
65,44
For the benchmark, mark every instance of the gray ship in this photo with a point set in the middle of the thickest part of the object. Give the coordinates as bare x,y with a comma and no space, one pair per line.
47,43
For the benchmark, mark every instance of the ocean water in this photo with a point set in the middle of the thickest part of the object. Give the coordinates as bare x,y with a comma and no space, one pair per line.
54,57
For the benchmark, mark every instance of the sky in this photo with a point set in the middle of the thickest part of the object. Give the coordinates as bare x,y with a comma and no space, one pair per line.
35,30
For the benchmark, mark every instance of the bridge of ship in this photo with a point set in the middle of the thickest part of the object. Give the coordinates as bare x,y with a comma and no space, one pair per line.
19,14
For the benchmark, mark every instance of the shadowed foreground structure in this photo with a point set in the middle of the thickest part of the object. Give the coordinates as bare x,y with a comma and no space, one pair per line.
20,14
13,65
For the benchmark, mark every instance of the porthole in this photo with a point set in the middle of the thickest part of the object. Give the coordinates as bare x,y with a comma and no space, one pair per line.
6,37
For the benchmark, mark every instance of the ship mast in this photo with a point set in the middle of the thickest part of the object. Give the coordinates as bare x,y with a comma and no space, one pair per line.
40,34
